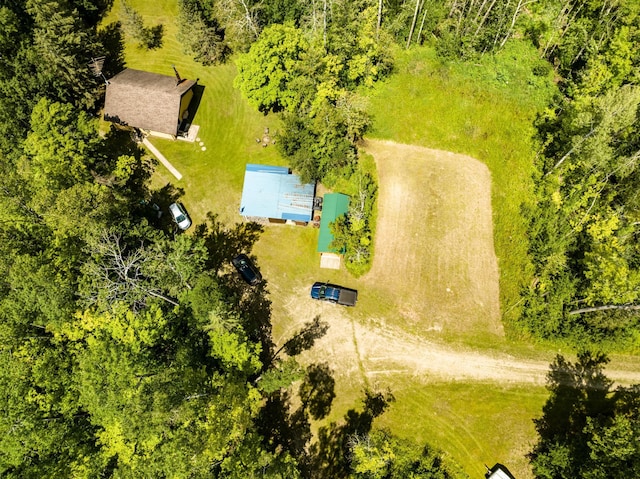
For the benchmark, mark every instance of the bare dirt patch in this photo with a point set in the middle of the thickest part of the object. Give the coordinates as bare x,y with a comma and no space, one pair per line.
434,253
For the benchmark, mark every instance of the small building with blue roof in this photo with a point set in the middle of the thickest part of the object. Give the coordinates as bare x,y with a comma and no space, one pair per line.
274,193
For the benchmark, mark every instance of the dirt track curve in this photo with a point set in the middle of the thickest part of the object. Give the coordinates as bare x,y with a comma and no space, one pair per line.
355,349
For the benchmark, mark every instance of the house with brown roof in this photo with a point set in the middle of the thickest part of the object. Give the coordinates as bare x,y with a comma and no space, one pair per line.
157,104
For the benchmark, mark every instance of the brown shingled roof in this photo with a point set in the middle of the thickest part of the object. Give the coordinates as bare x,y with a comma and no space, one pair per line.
145,100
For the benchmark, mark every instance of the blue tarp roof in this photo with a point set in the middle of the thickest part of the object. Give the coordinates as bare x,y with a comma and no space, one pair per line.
272,192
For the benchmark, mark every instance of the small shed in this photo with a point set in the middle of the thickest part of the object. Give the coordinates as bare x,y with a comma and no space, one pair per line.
148,101
272,192
334,205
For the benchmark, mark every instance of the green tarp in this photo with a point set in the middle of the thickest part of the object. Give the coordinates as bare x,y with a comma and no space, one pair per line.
333,206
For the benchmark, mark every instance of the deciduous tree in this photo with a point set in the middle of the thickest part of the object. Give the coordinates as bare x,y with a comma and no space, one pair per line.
380,455
266,72
585,426
59,150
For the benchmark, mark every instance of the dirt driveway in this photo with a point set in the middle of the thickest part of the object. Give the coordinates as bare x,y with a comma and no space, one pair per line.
371,352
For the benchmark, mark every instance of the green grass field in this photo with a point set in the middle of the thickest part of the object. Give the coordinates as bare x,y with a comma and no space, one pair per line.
483,110
476,424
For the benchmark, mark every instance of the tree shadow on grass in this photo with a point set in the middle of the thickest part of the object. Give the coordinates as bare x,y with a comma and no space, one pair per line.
291,430
225,243
283,429
578,391
317,391
154,36
328,455
301,340
304,338
113,42
159,215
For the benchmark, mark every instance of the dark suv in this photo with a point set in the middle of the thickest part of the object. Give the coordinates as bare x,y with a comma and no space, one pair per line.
247,269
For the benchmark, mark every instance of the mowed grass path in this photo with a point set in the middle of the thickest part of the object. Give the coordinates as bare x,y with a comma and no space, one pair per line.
434,258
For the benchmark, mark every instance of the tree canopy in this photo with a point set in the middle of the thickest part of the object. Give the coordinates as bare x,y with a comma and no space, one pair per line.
587,428
586,196
267,72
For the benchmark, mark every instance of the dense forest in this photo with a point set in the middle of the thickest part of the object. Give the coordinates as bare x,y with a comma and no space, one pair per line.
583,233
128,350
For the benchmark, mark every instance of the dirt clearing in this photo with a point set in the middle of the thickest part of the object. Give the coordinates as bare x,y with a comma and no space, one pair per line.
434,254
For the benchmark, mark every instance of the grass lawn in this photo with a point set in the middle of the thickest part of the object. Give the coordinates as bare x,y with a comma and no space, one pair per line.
212,179
444,107
434,264
483,109
475,423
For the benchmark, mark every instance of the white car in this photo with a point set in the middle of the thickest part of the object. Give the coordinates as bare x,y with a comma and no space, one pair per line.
179,215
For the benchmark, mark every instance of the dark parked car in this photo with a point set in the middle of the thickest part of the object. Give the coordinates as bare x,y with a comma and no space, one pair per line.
247,269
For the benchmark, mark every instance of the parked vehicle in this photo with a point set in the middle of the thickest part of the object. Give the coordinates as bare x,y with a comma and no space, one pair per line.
334,294
247,269
179,215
